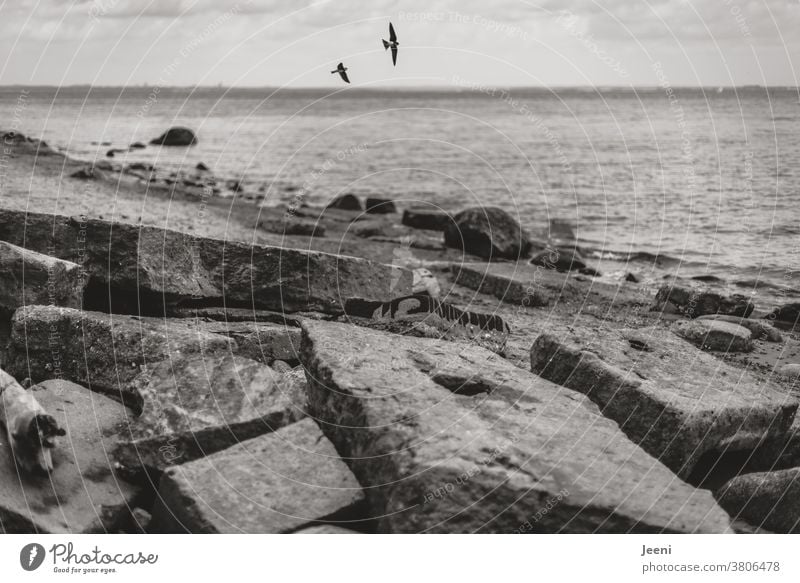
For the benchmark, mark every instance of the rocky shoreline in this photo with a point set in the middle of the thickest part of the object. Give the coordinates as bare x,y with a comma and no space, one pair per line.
220,367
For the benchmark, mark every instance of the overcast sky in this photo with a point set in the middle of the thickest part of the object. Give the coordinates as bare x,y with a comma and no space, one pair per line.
496,42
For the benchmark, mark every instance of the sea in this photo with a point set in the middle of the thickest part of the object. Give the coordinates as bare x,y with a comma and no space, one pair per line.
705,182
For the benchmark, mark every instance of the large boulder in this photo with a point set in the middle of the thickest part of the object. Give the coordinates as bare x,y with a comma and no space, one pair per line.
678,403
787,315
82,494
758,328
177,136
769,500
140,269
693,302
715,335
278,483
452,438
33,278
196,405
380,206
487,232
105,352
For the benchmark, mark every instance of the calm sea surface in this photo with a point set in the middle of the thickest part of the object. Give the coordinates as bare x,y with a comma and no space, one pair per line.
710,178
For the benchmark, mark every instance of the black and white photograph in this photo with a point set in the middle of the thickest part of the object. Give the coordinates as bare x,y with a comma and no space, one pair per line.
408,267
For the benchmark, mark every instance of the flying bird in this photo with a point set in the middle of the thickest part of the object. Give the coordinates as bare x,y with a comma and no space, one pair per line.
342,70
391,43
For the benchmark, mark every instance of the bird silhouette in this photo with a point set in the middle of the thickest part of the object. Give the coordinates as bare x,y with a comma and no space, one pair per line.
391,43
342,70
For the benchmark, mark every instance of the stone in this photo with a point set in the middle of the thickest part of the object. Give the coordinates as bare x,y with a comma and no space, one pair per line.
137,146
270,342
84,174
693,302
631,277
715,335
176,136
430,219
561,259
787,315
101,351
758,328
82,494
326,529
769,500
346,202
202,167
32,278
195,406
380,206
425,283
487,232
453,438
679,404
130,265
790,370
426,317
293,226
278,483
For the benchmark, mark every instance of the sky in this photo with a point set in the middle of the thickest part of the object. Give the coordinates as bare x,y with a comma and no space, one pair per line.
296,43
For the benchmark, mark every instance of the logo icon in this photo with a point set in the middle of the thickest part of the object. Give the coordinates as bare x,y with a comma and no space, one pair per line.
31,556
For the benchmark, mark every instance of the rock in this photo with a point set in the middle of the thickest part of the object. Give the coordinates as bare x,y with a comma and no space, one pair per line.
234,186
176,136
715,335
758,329
432,428
293,227
202,167
425,317
787,315
346,202
487,232
196,405
137,146
790,370
32,278
326,529
281,366
84,174
140,166
82,493
696,302
101,351
113,151
769,500
104,165
425,283
681,405
380,206
432,220
561,259
128,264
270,342
631,277
278,483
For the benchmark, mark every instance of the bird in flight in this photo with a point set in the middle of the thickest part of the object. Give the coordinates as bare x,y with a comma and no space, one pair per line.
342,70
391,43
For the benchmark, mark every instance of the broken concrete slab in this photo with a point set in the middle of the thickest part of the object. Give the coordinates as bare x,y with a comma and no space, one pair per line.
758,328
195,405
103,352
452,438
488,232
769,500
140,269
82,494
715,335
278,483
33,278
675,401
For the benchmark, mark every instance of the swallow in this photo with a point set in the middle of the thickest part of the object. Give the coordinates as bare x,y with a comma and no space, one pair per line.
391,43
342,70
